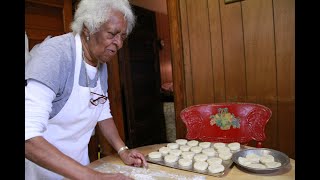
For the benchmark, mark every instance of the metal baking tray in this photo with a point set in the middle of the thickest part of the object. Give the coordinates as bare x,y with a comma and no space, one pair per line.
226,163
175,165
278,157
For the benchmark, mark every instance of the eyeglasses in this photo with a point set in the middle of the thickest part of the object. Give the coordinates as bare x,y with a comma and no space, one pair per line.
100,100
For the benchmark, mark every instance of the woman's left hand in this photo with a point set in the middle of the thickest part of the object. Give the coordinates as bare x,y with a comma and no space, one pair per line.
133,158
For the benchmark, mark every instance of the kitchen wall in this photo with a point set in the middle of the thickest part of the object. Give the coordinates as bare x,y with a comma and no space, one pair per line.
238,52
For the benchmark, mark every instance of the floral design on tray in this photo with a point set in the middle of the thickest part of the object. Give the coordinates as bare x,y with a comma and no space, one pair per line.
224,119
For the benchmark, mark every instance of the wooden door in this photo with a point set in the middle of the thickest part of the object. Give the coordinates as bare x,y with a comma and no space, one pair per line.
140,83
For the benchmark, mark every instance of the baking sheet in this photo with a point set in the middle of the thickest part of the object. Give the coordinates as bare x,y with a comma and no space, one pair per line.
226,163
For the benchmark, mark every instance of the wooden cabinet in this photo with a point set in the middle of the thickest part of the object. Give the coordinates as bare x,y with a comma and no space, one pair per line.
46,17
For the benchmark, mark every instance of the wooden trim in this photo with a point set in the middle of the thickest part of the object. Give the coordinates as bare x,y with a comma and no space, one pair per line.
177,64
187,67
217,51
53,3
114,94
67,15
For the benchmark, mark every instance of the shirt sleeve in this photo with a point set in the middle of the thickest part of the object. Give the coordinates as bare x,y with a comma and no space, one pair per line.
38,105
50,64
106,112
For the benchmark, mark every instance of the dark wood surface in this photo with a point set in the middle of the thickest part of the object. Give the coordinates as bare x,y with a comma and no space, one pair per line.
140,81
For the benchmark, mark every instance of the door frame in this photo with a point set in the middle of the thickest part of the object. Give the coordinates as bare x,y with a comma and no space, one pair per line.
173,10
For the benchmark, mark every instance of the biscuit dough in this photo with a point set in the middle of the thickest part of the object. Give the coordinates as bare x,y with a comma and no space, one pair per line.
193,143
234,146
216,168
257,166
196,149
225,155
218,145
273,164
200,165
185,148
253,158
175,152
205,144
266,158
170,158
244,161
185,162
181,141
188,155
223,149
164,150
173,145
200,157
209,151
214,160
155,155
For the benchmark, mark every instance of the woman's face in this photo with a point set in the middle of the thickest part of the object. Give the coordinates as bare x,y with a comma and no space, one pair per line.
105,43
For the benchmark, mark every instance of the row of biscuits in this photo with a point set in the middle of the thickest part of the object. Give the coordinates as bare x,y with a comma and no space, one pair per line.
202,155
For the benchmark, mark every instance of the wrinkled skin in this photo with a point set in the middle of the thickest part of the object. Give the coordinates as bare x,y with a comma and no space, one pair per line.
133,158
104,44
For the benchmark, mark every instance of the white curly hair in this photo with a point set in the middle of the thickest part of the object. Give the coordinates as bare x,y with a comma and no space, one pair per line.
93,13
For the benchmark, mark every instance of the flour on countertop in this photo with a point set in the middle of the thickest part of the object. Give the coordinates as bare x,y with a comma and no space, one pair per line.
144,174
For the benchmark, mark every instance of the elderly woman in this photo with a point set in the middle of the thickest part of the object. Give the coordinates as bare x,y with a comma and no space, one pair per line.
66,94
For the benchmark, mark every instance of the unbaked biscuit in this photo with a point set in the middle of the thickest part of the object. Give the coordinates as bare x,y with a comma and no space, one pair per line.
185,162
273,164
200,165
223,149
171,158
164,150
266,158
181,141
185,148
218,145
196,149
225,155
243,161
257,166
155,155
209,151
188,155
214,160
254,158
175,152
234,146
216,168
200,157
193,143
173,145
205,144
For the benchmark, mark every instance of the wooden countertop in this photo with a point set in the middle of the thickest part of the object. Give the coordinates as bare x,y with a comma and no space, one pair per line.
234,173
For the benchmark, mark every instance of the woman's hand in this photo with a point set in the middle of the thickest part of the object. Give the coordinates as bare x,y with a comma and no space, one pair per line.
133,158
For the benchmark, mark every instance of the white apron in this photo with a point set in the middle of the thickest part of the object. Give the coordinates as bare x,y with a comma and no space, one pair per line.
70,130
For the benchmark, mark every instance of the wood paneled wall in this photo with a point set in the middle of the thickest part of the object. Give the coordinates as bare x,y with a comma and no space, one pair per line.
165,50
238,52
46,17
